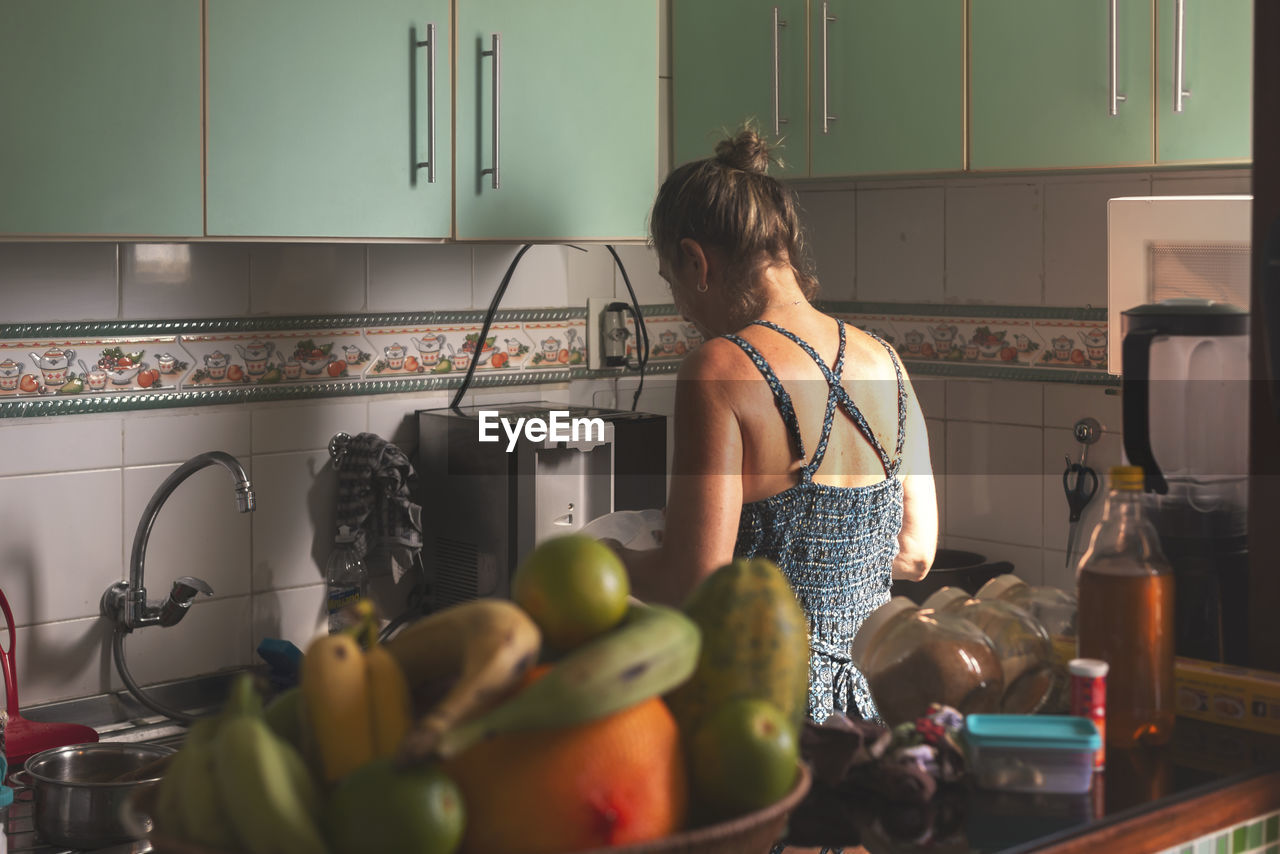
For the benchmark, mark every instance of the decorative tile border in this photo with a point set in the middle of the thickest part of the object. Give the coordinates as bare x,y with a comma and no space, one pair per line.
55,369
1259,835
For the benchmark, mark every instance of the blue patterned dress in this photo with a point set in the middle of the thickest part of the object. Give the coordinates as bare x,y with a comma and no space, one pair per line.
836,545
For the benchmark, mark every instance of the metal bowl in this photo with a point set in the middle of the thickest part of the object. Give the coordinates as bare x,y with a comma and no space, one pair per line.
79,793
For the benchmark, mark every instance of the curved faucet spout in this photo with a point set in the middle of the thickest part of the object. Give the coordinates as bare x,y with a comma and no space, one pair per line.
126,602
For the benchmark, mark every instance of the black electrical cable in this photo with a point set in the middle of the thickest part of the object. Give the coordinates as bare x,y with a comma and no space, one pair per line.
488,320
642,333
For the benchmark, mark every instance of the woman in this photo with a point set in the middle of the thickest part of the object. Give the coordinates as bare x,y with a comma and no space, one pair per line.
797,438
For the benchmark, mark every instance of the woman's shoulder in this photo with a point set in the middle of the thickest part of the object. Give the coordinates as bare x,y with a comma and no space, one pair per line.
716,358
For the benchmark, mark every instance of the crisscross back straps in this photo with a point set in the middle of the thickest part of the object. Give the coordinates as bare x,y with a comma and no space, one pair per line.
780,396
838,392
833,381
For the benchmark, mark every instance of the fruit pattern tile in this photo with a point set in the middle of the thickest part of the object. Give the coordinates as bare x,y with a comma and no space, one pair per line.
91,366
88,365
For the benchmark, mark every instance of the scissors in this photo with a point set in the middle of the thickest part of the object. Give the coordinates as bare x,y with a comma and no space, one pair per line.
1079,494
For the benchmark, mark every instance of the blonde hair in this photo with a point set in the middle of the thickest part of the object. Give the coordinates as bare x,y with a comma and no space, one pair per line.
728,202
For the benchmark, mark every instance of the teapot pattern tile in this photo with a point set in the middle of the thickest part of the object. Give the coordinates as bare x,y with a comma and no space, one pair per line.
301,352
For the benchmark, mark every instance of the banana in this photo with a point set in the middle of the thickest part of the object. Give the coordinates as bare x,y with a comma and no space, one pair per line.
486,644
652,651
355,701
390,706
270,799
201,809
166,812
335,686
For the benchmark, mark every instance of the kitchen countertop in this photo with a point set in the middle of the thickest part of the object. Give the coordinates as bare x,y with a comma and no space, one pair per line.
1202,758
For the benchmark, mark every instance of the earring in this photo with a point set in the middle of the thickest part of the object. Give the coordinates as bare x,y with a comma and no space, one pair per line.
702,287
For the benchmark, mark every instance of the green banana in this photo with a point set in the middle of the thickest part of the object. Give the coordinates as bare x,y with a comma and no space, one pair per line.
260,785
166,812
653,650
200,807
271,799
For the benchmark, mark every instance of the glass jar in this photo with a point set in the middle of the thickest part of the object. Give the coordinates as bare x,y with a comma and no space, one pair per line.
913,657
1055,610
1026,655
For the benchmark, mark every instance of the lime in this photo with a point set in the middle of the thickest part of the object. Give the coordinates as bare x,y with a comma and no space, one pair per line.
379,807
574,588
744,757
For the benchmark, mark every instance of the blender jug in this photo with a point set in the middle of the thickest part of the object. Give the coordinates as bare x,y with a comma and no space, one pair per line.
1186,416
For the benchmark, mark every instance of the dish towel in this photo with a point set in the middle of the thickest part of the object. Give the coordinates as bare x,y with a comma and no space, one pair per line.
374,481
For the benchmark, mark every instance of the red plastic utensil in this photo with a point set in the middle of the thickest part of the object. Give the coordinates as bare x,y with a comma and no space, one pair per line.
24,738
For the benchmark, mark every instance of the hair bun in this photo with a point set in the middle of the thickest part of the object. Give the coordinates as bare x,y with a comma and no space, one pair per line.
746,151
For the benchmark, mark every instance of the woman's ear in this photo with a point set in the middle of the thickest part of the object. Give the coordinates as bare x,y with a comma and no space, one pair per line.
693,255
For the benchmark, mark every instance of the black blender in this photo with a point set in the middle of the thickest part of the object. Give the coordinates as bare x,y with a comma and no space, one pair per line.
1186,422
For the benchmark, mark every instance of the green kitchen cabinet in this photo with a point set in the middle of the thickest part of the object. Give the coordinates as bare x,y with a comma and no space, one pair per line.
737,62
324,117
1213,62
886,86
1054,85
557,119
100,105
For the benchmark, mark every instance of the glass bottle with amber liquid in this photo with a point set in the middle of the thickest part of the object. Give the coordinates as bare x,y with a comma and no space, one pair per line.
1125,590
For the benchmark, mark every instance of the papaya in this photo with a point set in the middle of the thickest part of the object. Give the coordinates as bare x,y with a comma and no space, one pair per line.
755,644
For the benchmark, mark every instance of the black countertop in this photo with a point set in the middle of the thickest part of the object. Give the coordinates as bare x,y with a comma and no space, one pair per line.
1201,758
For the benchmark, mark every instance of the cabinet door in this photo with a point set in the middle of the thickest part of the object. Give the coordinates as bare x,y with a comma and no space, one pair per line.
100,105
736,62
890,77
1040,84
569,122
1215,122
320,111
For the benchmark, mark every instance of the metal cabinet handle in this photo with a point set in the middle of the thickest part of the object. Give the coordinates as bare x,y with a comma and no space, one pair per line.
1114,72
778,121
1179,54
496,53
826,112
430,44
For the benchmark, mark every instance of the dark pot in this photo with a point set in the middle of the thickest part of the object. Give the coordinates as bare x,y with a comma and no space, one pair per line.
953,568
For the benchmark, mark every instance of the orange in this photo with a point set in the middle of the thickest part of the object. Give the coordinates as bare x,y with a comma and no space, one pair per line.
616,780
564,357
574,587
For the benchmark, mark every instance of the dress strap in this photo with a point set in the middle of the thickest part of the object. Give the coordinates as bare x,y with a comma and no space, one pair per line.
780,396
841,396
833,381
902,404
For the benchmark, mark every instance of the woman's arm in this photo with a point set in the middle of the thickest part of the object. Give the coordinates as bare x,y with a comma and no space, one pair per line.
918,539
705,493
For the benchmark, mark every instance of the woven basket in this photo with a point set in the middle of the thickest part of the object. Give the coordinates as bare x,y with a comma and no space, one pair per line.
753,833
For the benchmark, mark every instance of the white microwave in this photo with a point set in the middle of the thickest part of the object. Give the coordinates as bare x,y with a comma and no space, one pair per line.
1174,247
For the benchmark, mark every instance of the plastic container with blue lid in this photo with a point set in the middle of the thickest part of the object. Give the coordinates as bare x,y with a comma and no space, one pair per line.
1031,753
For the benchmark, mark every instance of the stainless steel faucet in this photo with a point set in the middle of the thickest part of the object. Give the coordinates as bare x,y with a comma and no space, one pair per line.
125,602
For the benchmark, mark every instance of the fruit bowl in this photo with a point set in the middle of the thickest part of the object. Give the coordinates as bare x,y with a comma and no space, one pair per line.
747,833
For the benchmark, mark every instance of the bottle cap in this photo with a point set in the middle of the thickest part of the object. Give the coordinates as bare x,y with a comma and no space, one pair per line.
345,535
1092,668
864,640
1127,478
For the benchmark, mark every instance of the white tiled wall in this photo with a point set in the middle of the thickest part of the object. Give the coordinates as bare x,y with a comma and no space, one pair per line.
72,488
999,447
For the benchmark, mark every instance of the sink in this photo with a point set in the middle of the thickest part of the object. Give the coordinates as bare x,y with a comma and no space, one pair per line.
119,717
